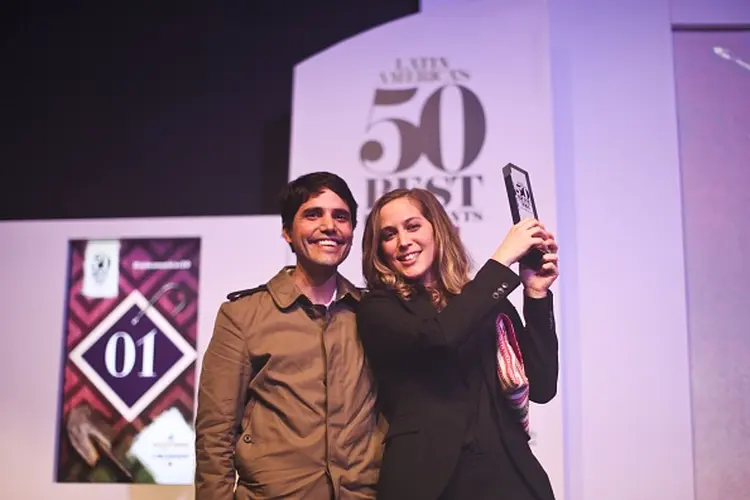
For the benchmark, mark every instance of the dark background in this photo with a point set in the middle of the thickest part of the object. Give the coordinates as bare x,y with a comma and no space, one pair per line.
157,108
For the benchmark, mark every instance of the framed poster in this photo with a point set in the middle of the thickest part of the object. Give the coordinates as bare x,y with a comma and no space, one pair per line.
126,405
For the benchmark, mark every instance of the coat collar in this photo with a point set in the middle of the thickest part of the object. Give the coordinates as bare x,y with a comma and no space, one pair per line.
420,304
285,292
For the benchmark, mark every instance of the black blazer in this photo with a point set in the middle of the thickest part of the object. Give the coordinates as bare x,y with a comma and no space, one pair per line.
414,354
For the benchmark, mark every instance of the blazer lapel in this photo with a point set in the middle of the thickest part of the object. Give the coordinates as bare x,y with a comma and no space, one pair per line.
488,354
525,461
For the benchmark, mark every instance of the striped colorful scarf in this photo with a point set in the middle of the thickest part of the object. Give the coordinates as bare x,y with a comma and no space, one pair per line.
510,370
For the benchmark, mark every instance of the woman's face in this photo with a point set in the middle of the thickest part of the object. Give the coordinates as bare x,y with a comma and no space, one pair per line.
407,240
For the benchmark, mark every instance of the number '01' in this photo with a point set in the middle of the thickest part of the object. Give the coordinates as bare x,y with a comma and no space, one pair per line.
129,354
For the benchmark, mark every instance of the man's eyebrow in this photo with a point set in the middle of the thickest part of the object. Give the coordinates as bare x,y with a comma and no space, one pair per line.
310,210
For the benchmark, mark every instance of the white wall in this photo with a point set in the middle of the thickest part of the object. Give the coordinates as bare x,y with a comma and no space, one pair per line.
625,319
628,425
33,258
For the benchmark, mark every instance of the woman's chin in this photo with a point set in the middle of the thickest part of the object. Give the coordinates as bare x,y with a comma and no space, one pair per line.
413,274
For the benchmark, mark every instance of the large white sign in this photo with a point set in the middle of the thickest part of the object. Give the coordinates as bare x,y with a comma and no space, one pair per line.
440,100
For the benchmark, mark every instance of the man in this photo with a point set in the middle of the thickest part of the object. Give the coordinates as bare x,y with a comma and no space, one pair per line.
286,403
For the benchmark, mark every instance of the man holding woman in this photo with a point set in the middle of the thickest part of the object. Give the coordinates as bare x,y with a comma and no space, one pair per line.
287,406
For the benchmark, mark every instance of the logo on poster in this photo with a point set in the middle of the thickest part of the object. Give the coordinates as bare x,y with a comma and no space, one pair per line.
435,149
100,268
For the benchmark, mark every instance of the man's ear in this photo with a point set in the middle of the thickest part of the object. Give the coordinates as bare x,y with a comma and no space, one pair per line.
285,235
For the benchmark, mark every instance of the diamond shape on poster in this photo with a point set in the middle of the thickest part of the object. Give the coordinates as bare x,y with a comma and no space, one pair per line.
132,355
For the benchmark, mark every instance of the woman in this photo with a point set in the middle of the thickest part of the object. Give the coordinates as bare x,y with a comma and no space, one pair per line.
455,366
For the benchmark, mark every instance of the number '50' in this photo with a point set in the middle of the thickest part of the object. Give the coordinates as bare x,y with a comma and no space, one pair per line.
425,138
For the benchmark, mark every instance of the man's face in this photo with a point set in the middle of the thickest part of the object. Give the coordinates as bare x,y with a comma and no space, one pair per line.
321,233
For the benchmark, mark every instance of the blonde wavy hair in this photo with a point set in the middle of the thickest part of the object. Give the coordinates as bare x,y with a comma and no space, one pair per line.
451,266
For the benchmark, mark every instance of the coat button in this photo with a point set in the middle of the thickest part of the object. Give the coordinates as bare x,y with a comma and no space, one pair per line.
504,286
246,438
495,295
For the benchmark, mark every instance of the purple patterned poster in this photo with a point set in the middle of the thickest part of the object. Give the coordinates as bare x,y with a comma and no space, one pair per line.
128,370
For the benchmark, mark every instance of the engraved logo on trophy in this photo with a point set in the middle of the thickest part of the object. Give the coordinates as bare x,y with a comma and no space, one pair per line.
522,205
523,197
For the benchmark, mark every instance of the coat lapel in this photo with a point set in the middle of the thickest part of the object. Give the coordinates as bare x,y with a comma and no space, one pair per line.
488,356
525,461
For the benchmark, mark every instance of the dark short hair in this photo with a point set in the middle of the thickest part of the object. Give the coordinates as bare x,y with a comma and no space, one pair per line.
301,189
